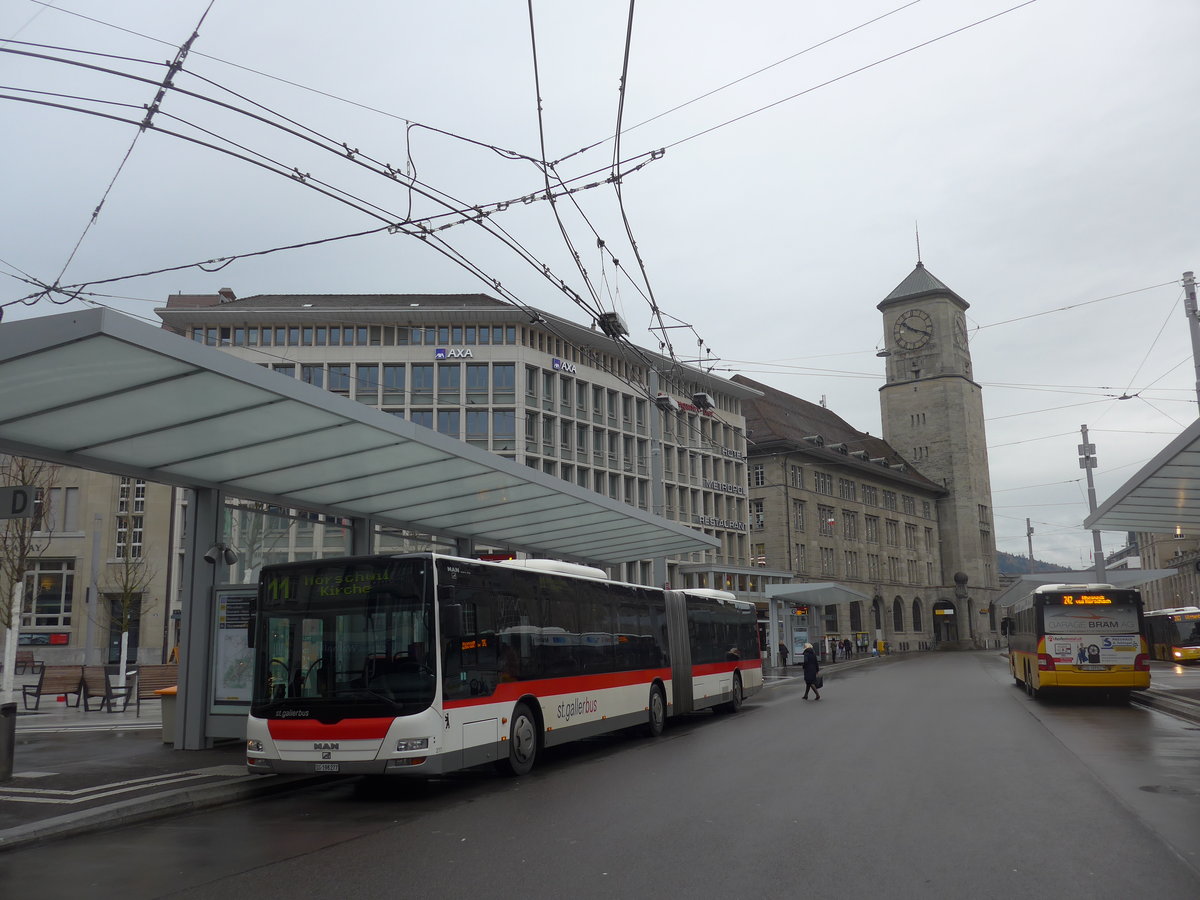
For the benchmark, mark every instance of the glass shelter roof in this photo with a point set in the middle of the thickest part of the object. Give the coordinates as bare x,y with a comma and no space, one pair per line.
98,390
1162,497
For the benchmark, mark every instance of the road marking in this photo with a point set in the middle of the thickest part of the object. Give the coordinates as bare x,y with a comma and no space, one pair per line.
96,792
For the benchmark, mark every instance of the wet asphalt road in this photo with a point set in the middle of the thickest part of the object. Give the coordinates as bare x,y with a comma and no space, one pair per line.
925,777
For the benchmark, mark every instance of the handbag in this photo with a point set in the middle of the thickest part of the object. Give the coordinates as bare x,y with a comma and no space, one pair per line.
820,682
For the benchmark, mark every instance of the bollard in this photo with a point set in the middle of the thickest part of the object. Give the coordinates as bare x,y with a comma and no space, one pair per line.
8,739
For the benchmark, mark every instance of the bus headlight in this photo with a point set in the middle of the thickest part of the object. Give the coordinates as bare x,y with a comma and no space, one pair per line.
254,746
406,745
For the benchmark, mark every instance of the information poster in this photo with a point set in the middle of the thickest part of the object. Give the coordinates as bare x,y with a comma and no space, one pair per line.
233,665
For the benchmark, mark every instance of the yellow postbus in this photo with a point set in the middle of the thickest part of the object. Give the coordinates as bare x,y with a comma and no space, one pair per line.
1078,636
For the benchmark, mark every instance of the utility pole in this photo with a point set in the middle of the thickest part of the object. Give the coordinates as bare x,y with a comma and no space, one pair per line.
1189,305
1029,537
1087,462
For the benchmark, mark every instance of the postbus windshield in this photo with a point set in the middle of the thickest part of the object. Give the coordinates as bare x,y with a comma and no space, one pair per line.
345,638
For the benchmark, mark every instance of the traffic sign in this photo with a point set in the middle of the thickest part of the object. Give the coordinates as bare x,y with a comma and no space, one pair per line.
17,502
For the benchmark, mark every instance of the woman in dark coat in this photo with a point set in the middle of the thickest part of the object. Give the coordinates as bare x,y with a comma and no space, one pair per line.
811,668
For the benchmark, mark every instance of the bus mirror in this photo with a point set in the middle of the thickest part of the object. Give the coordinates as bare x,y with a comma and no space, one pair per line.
452,621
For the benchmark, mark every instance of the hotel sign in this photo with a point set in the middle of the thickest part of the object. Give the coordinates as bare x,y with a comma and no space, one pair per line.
725,486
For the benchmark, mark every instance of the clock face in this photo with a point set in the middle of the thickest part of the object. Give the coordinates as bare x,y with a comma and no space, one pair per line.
913,329
960,332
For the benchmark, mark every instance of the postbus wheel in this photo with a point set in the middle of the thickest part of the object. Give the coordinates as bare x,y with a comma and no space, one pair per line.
656,715
522,742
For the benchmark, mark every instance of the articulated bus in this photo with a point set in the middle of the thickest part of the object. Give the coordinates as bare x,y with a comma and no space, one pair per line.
1173,635
421,664
1074,636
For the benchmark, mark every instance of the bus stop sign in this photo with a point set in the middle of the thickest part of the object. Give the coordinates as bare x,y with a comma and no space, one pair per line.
16,502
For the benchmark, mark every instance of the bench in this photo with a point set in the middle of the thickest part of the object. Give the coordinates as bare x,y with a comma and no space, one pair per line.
98,686
154,678
54,680
26,663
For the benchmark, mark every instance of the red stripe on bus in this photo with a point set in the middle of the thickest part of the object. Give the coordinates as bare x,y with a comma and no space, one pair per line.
726,666
514,690
345,730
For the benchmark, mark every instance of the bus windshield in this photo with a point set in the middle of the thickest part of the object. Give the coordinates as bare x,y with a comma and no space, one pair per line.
345,638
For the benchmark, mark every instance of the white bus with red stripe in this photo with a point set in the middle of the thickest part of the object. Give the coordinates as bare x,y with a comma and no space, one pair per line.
420,664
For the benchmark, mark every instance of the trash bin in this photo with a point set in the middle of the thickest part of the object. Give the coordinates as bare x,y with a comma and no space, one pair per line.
8,739
168,713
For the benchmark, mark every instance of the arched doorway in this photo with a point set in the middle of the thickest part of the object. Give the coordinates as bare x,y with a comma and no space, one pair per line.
945,624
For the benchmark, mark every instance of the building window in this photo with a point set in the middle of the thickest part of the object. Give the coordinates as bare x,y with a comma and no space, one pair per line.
339,379
449,421
847,489
928,540
366,383
422,417
928,574
909,504
421,389
757,514
825,521
823,483
983,515
870,495
897,615
849,525
926,510
504,430
393,385
57,509
450,384
894,569
314,375
758,475
796,476
916,614
889,499
129,537
801,558
828,561
49,589
912,571
910,536
850,560
892,532
798,514
872,529
504,381
872,567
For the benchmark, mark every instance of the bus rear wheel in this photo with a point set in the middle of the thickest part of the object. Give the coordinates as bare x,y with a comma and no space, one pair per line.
522,742
656,711
735,698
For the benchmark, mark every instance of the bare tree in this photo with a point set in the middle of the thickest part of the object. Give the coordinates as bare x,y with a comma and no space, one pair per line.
21,540
125,584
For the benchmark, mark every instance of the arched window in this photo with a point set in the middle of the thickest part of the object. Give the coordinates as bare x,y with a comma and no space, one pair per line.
856,616
916,616
898,614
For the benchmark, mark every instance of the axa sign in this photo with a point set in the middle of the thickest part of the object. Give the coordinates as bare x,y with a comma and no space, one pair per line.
453,353
560,365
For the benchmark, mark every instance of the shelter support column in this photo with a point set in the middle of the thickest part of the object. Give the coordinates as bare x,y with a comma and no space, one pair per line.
362,537
199,578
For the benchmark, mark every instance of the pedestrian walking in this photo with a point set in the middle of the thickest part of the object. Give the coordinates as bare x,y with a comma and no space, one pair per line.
783,653
812,672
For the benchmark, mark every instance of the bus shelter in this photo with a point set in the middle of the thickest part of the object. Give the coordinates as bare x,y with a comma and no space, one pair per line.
783,623
98,390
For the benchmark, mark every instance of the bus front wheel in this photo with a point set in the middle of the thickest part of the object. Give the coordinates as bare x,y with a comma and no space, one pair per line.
656,711
522,742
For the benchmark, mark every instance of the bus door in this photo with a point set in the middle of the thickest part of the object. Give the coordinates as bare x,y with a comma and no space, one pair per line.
681,653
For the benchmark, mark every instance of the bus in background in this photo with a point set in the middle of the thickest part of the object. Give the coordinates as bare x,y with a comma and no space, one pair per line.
1078,636
1173,635
421,664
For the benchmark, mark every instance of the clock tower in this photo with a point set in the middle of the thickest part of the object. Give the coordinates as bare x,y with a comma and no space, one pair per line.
932,411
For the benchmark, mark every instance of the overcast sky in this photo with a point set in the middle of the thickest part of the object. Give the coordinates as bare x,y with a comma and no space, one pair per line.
1049,157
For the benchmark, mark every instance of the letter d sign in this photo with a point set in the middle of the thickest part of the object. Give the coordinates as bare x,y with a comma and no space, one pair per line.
16,502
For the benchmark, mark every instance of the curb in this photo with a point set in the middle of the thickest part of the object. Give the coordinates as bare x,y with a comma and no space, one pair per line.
1163,702
154,806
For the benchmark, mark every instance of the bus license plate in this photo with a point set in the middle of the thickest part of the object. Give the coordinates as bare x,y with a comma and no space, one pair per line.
1086,668
326,767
